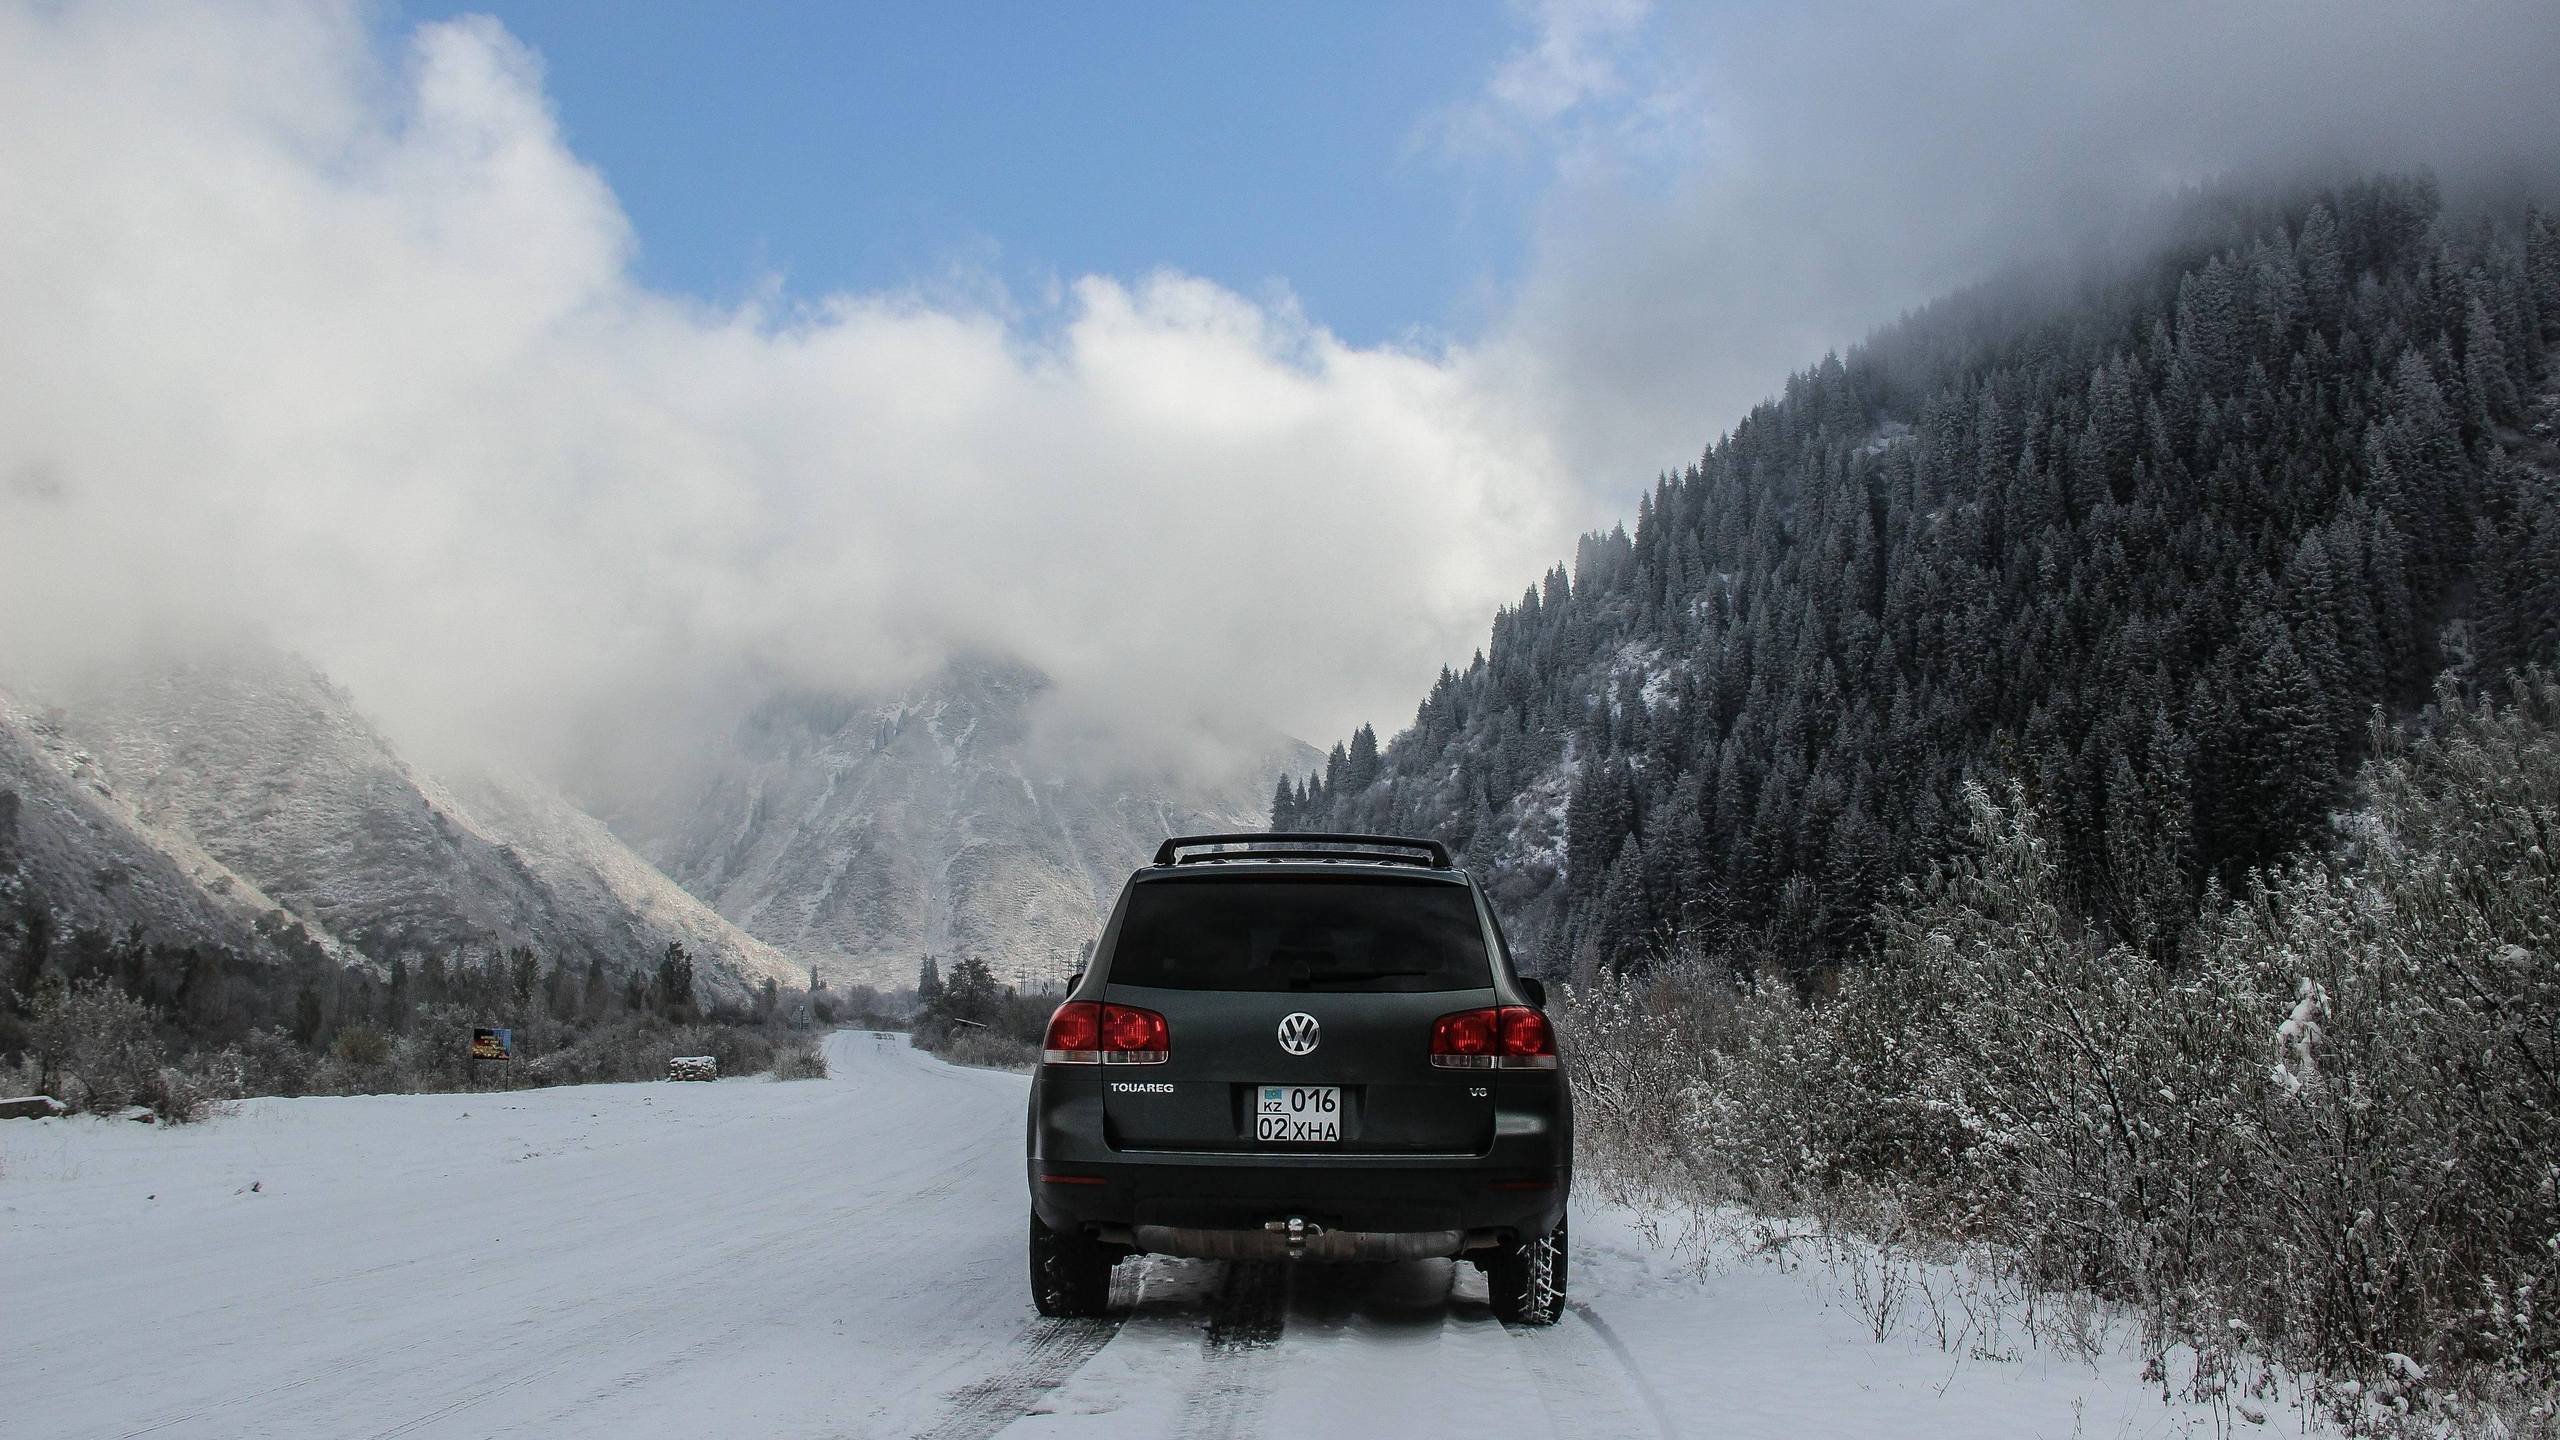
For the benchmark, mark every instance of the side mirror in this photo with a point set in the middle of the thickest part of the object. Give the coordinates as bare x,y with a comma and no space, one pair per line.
1535,989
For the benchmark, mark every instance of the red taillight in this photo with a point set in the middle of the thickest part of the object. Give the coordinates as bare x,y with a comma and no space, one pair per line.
1075,1035
1514,1037
1084,1033
1465,1040
1527,1039
1131,1036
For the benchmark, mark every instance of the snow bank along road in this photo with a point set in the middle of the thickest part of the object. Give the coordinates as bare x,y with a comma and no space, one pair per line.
841,1258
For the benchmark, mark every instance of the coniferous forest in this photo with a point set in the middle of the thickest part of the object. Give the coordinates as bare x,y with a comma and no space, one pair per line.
2068,792
2154,542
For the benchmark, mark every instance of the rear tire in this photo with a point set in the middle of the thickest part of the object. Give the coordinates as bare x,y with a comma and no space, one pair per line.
1070,1275
1526,1281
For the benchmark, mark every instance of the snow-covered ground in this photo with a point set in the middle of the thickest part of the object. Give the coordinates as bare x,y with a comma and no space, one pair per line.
844,1258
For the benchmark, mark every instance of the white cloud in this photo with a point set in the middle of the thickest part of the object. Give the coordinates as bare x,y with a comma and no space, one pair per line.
349,344
352,349
1740,188
1572,59
1583,95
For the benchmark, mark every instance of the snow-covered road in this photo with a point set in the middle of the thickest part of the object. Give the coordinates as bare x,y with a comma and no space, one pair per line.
843,1258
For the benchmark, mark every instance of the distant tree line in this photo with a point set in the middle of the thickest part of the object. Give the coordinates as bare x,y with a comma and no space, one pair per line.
2155,545
110,1019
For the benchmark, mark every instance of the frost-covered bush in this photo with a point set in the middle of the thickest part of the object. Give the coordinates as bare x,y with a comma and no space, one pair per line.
1650,1051
182,1095
740,1049
94,1045
803,1060
268,1062
2329,1129
2408,1180
361,1045
638,1047
20,1077
2023,1082
433,1053
98,1049
995,1049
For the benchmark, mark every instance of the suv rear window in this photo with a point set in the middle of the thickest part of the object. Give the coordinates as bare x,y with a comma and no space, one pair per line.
1301,933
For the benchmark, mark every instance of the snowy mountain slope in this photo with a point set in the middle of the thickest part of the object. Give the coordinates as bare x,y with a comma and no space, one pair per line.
596,874
866,833
68,836
260,760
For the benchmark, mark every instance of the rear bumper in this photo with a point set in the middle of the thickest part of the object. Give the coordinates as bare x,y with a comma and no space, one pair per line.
1296,1240
1222,1203
1456,1202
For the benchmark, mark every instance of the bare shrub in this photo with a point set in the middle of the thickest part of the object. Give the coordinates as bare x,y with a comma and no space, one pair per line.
182,1096
740,1049
1882,1275
992,1049
806,1060
268,1062
431,1054
1640,1081
361,1046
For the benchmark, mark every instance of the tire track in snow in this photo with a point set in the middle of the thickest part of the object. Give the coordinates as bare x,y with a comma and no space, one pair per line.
1569,1363
1246,1319
1252,1305
1046,1354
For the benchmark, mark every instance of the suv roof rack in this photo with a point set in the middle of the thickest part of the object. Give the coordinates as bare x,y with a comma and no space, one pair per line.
1302,845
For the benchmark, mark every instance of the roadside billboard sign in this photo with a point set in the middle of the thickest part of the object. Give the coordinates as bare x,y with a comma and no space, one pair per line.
493,1044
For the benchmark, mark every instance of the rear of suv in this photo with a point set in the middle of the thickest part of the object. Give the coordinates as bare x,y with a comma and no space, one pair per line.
1301,1046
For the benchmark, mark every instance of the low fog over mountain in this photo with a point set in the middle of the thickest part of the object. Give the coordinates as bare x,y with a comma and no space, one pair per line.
863,833
263,780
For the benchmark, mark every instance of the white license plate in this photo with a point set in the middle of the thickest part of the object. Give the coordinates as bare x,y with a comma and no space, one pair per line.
1299,1114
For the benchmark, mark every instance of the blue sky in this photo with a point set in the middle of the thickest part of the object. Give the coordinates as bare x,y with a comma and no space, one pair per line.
870,147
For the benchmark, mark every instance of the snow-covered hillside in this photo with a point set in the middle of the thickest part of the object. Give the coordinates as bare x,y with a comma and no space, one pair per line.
255,759
595,875
67,834
201,791
844,1258
866,833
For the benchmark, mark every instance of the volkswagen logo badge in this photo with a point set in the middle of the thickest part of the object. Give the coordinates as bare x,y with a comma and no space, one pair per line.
1298,1033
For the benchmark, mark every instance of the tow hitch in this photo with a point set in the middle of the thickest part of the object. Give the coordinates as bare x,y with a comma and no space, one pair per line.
1297,1232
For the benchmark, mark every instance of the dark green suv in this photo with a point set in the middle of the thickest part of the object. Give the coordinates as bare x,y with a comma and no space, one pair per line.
1301,1046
